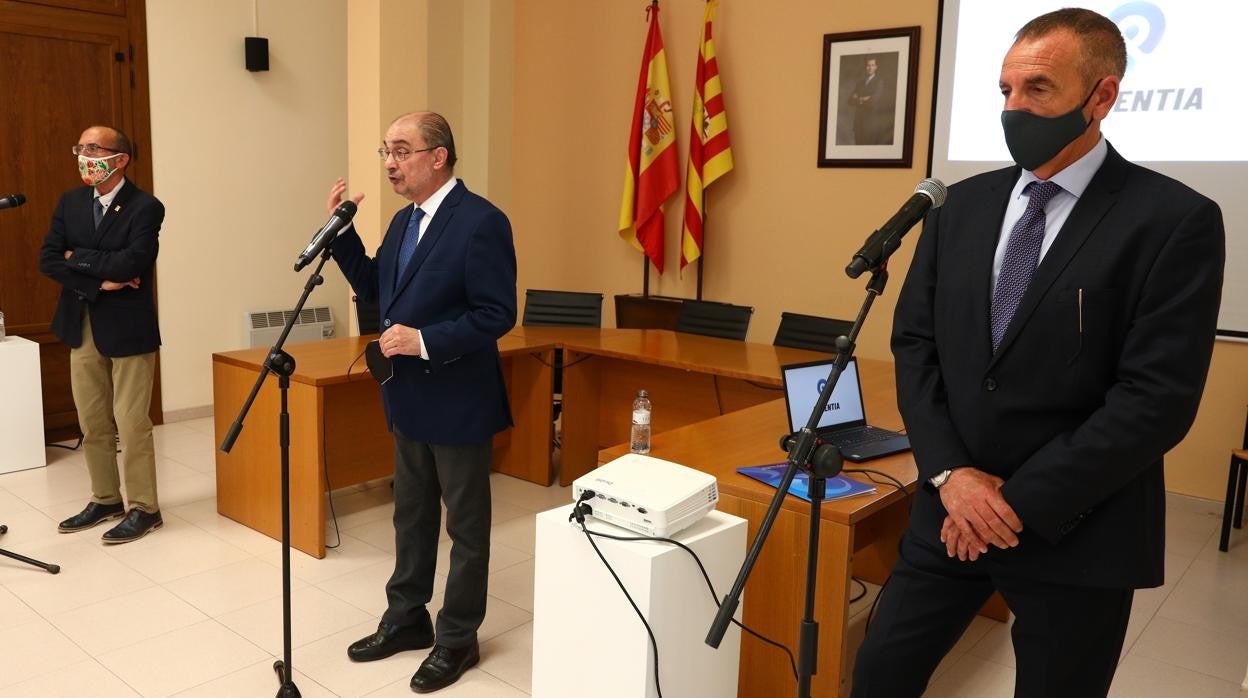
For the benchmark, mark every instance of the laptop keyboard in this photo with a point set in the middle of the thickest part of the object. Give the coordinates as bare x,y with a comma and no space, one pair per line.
860,435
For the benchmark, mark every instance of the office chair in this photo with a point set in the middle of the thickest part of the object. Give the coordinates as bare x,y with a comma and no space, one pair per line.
810,332
543,308
562,309
367,315
1236,484
714,319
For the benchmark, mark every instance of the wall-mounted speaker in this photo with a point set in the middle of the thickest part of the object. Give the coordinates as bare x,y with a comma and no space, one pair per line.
257,52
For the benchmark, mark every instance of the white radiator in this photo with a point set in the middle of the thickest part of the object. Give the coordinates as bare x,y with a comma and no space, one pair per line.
263,327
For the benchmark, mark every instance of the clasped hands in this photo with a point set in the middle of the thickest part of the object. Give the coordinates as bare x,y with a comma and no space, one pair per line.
978,515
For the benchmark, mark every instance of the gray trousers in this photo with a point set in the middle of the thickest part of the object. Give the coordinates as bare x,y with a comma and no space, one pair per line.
424,476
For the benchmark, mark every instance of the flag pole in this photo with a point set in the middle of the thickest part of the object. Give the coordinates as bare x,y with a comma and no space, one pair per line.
645,276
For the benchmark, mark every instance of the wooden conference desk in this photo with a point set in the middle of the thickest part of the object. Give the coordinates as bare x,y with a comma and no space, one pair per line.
338,432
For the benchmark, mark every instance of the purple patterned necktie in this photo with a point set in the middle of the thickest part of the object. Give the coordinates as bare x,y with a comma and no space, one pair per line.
408,247
1022,254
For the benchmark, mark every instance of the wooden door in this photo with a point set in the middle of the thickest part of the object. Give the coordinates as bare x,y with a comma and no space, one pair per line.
68,64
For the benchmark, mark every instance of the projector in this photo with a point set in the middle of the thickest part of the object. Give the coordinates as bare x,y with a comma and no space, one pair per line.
650,496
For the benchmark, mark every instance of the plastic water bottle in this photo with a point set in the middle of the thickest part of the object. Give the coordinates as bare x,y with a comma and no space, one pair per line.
1,327
639,442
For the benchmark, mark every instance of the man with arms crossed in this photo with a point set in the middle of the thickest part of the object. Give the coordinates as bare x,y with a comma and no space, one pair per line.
445,282
1040,399
102,249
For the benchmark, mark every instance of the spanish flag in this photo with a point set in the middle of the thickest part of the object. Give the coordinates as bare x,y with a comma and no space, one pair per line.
710,153
652,174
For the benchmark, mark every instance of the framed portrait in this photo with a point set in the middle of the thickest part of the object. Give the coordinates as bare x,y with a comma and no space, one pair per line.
866,114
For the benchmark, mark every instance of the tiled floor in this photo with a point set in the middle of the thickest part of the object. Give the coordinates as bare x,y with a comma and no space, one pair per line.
195,608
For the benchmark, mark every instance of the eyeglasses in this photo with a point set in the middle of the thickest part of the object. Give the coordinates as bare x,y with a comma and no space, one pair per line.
92,150
401,154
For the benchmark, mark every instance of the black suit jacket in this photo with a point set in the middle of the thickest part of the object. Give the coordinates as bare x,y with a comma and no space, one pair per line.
123,323
459,290
1099,374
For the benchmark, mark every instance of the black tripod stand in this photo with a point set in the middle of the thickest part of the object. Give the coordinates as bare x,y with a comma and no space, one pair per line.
22,558
282,364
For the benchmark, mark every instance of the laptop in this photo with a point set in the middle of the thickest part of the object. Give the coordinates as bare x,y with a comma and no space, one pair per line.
844,421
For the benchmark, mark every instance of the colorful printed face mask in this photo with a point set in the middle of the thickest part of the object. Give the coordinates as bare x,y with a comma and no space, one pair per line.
95,171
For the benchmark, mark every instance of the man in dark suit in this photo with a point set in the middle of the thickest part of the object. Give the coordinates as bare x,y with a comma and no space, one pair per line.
102,249
445,280
865,101
1041,399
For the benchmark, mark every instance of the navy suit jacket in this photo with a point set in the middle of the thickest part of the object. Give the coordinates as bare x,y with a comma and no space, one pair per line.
460,291
123,322
1099,374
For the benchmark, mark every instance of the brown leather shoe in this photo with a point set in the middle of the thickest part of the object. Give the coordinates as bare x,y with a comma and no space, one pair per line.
392,639
91,516
138,523
444,666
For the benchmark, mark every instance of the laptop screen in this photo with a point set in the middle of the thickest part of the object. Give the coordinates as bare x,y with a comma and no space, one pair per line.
804,382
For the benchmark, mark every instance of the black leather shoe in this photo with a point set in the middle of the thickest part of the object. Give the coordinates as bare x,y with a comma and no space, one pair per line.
137,524
92,515
444,666
391,639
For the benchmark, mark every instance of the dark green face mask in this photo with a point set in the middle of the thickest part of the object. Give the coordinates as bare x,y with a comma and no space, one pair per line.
1034,140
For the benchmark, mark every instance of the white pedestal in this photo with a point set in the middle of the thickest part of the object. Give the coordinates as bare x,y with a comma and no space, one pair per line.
21,409
587,640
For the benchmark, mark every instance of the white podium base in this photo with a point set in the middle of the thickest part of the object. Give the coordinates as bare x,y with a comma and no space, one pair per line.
587,640
21,410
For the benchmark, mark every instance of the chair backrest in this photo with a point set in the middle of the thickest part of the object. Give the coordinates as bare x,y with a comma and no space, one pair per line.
810,332
367,315
714,319
562,309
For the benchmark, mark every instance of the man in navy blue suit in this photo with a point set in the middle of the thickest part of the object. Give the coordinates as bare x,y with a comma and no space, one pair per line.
1052,341
444,279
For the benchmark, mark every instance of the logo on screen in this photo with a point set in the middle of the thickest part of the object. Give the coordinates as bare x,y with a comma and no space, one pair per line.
1142,25
819,391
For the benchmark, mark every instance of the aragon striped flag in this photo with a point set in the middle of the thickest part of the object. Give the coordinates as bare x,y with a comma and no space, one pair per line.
710,153
653,172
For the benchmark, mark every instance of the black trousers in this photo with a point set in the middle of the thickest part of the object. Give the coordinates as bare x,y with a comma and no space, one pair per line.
1067,639
424,476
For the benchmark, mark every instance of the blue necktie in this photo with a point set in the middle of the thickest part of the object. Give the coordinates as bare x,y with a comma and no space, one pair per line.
408,247
98,212
1022,255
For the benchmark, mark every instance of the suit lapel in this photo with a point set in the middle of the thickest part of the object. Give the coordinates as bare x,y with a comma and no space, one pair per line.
1089,211
388,258
437,226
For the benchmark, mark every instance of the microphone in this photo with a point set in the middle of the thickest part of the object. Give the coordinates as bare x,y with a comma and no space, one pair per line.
342,216
12,200
882,243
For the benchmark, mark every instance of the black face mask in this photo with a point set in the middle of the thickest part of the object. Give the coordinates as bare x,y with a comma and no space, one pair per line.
1034,140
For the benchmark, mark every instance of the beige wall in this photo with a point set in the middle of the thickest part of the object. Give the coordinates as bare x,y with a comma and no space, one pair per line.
242,162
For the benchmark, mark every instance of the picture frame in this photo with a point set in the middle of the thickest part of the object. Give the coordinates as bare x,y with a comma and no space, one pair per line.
866,112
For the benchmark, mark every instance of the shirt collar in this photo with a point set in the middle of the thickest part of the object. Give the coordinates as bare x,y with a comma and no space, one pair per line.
430,205
1074,178
106,200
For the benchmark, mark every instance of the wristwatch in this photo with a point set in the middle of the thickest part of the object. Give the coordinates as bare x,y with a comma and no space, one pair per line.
939,479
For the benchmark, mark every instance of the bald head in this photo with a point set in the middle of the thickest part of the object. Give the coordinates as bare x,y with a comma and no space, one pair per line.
108,137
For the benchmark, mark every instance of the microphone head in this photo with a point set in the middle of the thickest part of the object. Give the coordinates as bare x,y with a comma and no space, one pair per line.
13,200
345,210
933,189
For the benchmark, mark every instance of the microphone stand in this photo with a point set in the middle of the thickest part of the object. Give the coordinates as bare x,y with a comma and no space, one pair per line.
823,461
282,364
